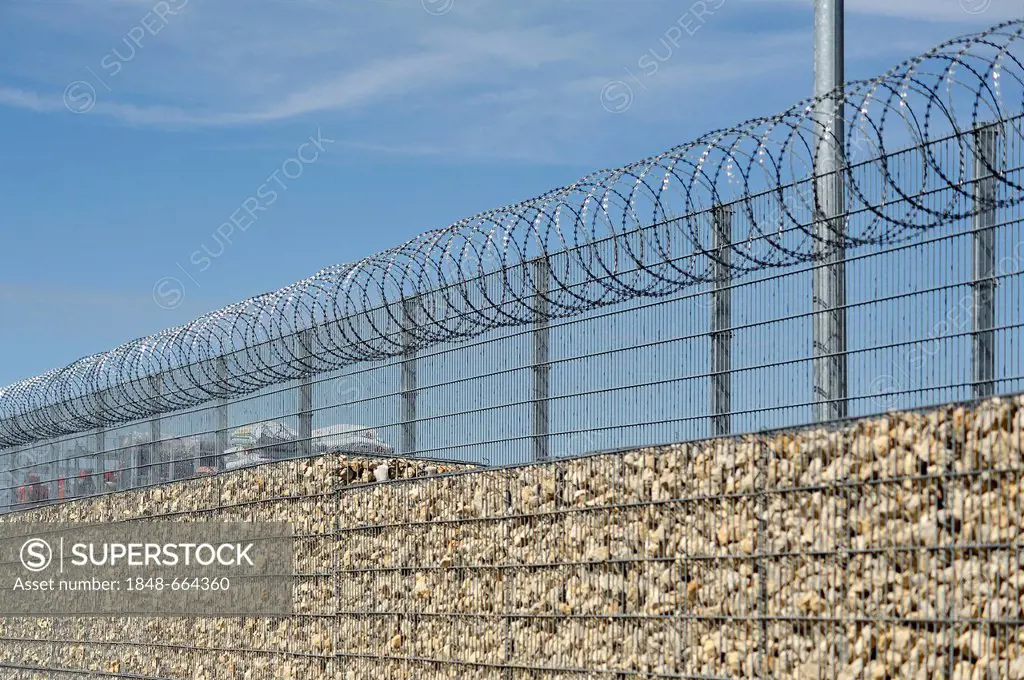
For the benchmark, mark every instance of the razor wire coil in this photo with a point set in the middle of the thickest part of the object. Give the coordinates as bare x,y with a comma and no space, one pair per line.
642,230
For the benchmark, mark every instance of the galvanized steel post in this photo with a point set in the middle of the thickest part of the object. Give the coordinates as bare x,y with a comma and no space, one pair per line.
541,359
155,434
305,353
409,307
829,277
101,434
721,322
983,238
221,414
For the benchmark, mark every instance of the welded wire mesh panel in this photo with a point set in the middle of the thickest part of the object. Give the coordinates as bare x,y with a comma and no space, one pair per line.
702,262
482,419
673,301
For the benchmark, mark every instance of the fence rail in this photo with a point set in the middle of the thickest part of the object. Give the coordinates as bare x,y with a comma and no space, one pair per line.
675,298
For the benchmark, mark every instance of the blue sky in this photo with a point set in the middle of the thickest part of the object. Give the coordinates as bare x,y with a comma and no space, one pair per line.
133,129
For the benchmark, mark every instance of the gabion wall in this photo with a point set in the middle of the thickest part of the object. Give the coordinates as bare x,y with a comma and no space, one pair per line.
886,548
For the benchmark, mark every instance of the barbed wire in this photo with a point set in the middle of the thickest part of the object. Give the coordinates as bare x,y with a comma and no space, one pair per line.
643,230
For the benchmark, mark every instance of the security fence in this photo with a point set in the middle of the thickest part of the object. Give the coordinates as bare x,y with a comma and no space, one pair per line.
721,287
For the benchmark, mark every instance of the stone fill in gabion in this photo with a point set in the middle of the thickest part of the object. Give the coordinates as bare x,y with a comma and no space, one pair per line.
889,547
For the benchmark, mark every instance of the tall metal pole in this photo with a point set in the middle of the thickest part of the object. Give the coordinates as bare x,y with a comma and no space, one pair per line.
829,277
983,317
409,306
541,359
306,394
721,322
829,274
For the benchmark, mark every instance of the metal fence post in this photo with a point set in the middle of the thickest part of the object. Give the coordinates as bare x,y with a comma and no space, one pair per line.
829,277
541,359
101,435
155,434
721,322
983,238
222,416
7,483
59,468
762,549
305,354
409,306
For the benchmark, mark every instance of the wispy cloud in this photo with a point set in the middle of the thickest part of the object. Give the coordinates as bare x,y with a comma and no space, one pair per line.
487,78
320,59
